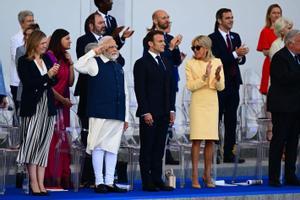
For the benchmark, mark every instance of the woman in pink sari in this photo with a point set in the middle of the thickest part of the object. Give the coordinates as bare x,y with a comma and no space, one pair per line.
58,170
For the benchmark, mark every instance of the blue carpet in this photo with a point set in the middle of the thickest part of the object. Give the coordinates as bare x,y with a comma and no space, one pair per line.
137,193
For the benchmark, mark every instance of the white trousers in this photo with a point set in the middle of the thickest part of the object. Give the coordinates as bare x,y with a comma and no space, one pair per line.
98,156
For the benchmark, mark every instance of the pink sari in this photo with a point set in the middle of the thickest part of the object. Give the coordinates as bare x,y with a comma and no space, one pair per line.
58,171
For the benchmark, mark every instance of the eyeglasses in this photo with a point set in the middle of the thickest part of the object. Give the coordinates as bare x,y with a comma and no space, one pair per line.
197,47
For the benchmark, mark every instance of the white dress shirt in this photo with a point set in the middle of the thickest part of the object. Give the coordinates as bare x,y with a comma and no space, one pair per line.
15,41
224,37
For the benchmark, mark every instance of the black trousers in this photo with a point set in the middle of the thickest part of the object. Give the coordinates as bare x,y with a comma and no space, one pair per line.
229,100
152,142
286,130
88,175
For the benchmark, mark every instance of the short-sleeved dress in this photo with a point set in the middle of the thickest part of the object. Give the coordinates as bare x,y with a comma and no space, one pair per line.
204,107
266,38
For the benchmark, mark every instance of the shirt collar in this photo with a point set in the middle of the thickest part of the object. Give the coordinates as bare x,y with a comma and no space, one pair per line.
292,53
223,33
153,54
104,58
102,14
96,36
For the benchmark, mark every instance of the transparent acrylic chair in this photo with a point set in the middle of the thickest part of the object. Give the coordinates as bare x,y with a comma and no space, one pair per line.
183,145
9,143
130,142
74,149
77,149
251,128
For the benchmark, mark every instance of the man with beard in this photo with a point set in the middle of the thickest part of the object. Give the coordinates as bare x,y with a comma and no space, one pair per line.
107,110
97,27
161,22
227,46
111,23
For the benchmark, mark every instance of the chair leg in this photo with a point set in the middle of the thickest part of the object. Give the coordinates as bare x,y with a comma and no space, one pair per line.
182,167
237,156
2,171
131,168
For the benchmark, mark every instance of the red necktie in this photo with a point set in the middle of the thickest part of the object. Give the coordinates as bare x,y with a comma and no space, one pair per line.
229,47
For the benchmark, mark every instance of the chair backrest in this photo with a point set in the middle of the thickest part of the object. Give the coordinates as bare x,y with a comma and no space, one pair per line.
251,108
185,103
131,135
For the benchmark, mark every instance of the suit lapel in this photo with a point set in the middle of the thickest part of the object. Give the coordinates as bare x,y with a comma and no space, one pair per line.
221,39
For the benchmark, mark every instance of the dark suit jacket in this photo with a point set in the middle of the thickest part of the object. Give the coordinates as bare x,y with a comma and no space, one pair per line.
34,85
284,92
153,86
110,30
219,49
81,85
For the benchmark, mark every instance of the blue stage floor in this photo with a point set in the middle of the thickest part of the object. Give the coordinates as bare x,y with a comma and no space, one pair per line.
184,193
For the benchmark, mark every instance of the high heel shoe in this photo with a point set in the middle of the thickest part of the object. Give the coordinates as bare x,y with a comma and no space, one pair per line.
208,182
45,193
34,193
195,184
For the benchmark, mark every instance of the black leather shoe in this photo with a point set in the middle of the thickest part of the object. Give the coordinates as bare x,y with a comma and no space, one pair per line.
163,187
274,183
231,159
150,188
293,182
101,188
115,188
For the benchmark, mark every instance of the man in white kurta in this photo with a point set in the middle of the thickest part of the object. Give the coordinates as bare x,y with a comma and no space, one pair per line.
104,133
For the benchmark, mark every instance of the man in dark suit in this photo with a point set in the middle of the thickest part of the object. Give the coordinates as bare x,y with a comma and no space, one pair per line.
226,45
96,24
112,28
155,96
161,22
284,103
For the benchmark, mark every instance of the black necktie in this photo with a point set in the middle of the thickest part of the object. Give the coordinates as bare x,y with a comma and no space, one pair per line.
161,63
297,59
99,38
166,41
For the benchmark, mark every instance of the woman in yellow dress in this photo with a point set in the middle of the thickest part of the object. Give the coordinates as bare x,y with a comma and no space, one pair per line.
204,77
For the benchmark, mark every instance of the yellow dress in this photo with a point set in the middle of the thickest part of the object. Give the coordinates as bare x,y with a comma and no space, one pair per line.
204,107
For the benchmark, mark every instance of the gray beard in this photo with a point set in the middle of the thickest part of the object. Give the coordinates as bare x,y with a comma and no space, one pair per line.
112,57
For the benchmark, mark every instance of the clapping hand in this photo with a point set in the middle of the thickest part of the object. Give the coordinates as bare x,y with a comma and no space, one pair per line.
175,42
127,33
117,31
217,73
53,70
242,50
68,56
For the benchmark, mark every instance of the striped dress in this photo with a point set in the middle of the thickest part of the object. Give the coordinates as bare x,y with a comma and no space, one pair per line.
36,132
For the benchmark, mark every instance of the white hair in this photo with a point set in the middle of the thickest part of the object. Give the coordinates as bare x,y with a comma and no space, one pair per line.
289,38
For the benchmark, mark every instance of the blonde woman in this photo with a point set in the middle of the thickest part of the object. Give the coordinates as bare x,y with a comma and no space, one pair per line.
281,27
204,77
37,110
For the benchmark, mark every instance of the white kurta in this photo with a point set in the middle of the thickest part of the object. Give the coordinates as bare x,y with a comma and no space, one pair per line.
103,133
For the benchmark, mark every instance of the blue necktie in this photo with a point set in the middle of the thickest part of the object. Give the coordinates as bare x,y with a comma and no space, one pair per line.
161,63
107,22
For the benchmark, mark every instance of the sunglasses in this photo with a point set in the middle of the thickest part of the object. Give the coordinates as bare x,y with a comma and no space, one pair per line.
196,47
